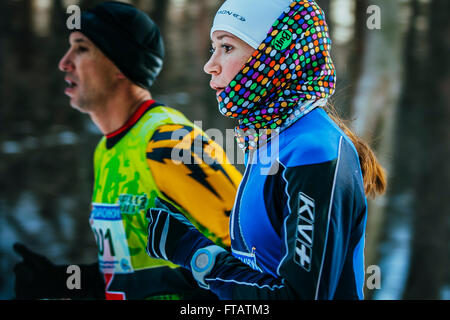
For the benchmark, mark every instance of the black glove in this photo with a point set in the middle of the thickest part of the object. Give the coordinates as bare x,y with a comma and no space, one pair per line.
38,278
171,235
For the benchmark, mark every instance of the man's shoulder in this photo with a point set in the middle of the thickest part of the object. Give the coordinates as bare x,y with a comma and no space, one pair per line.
159,115
162,114
161,108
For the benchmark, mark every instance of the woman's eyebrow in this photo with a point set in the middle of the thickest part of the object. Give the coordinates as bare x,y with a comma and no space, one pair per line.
224,36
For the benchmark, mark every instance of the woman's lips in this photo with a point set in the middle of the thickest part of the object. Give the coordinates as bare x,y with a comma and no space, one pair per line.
217,88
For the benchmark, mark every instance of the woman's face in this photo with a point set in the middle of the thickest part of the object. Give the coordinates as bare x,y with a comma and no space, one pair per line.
229,54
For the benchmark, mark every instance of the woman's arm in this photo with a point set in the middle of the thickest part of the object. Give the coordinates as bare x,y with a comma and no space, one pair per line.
322,231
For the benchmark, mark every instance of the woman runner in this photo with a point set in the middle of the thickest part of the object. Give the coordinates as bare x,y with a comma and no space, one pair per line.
298,223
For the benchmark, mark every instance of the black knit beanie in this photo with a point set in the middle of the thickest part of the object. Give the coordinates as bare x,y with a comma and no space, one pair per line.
128,37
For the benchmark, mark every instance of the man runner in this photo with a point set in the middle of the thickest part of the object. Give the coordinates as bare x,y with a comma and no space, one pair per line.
110,66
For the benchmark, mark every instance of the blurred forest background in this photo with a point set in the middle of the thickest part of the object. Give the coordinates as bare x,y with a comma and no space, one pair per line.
393,86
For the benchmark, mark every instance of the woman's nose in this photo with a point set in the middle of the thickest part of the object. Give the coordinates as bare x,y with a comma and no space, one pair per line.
212,67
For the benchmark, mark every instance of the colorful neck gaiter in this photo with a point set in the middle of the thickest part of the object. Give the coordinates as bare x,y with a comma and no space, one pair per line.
290,74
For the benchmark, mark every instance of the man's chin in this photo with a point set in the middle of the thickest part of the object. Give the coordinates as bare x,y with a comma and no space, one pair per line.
74,104
77,105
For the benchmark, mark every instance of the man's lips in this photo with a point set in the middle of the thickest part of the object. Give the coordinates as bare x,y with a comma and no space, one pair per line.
71,86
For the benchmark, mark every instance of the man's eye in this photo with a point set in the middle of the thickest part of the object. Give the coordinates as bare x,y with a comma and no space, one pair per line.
212,50
82,49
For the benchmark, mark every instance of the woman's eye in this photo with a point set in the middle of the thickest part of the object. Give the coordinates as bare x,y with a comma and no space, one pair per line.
227,47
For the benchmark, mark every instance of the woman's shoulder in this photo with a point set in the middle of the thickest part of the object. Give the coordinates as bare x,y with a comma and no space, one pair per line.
313,139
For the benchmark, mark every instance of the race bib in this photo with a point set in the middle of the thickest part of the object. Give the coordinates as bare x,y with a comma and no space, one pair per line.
113,252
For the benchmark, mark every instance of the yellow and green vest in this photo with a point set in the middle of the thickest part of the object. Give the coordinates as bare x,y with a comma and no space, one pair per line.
124,189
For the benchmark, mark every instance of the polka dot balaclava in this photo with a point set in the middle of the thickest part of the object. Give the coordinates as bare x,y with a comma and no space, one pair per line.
289,74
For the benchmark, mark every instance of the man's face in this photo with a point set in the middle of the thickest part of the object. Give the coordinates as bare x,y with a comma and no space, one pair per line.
90,75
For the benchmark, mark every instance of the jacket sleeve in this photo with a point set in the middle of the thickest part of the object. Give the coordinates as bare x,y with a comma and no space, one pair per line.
193,173
322,220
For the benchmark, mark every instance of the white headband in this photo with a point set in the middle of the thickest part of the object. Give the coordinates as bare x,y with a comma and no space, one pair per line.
249,20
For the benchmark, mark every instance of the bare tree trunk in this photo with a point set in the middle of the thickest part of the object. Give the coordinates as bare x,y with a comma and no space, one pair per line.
377,91
430,75
23,45
3,31
202,92
356,56
3,212
159,13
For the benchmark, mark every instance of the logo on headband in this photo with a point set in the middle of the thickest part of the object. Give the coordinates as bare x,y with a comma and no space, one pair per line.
226,12
282,40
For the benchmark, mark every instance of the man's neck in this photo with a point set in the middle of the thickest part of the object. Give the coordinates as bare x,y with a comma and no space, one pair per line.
115,112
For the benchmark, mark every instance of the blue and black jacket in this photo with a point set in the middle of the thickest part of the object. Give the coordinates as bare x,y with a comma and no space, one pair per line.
298,223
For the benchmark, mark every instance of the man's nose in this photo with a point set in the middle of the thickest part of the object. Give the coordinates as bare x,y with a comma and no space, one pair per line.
66,64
